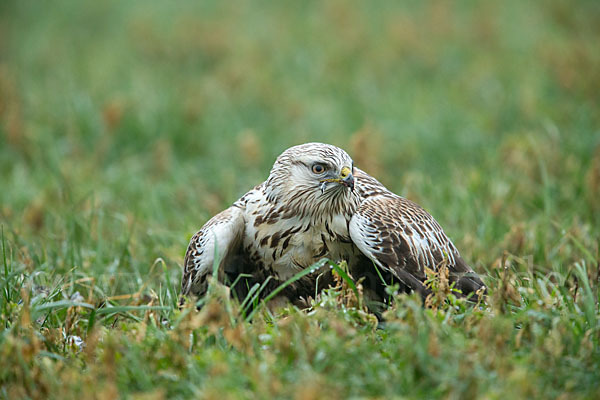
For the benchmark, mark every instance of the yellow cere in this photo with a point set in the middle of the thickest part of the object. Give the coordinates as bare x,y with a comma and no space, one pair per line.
345,172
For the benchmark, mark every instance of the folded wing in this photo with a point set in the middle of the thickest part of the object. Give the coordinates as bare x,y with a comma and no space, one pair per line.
220,237
403,239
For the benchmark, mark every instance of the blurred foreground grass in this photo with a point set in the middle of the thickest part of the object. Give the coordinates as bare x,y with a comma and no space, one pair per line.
125,125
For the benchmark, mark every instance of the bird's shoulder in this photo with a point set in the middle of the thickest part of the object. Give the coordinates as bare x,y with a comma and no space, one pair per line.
367,186
387,208
255,195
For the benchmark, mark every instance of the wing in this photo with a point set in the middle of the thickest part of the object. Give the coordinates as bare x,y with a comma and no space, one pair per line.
402,238
223,233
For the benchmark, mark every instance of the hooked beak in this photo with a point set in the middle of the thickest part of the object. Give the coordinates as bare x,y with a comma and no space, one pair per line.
345,179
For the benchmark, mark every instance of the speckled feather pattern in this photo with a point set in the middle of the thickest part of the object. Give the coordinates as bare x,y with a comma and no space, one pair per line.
291,221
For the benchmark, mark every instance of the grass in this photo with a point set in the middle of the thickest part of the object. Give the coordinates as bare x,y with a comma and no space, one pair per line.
125,125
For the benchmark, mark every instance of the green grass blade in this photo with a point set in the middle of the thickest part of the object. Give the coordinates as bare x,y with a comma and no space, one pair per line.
56,305
345,277
288,282
127,309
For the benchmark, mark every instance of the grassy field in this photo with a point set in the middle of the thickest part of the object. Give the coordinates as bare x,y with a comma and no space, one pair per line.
124,126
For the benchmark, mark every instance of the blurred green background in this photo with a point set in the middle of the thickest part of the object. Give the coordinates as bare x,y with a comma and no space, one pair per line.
149,117
125,125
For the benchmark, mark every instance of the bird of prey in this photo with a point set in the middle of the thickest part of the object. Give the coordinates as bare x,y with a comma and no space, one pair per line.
315,204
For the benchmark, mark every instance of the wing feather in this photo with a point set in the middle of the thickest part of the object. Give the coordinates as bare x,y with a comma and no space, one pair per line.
223,233
401,237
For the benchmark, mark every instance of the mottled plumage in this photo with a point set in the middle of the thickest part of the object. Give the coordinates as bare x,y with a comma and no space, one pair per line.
315,204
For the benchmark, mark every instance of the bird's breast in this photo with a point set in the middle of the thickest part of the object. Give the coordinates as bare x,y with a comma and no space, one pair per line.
288,246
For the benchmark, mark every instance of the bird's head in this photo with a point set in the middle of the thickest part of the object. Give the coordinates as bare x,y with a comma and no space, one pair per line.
313,173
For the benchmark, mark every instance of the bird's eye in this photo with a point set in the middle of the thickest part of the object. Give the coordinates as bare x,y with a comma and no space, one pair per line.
318,168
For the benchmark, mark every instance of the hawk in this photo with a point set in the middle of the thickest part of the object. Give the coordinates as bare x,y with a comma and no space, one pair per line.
315,204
